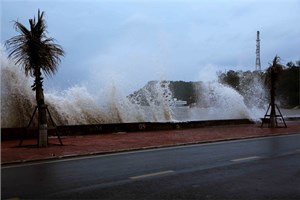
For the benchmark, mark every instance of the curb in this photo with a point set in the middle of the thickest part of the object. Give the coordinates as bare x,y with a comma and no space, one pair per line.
4,164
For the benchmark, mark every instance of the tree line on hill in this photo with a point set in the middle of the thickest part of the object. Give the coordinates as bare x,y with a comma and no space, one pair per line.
287,88
251,85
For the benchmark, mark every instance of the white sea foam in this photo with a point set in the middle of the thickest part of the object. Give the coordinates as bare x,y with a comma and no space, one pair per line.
76,105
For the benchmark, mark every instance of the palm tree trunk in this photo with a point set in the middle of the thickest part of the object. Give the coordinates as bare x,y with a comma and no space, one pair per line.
272,94
42,112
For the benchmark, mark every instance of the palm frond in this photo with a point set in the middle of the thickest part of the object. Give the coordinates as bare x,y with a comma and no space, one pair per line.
273,72
52,53
32,49
21,28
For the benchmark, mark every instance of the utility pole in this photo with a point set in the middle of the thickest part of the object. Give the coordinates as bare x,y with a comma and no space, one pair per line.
257,63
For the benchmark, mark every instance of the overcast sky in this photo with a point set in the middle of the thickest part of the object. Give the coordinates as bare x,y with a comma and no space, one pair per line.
134,41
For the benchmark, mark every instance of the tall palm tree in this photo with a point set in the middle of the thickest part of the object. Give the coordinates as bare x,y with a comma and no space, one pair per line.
36,53
272,77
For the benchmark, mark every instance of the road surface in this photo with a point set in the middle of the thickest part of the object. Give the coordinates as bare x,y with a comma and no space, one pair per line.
261,168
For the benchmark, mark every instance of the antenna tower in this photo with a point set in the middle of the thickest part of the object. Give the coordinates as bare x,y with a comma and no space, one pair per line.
257,63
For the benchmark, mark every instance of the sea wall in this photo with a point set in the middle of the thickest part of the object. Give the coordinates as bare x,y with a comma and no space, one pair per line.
74,130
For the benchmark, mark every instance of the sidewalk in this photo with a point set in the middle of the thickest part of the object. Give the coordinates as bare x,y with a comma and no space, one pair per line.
109,143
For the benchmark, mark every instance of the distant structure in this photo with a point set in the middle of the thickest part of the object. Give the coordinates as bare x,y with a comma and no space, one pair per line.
178,103
257,63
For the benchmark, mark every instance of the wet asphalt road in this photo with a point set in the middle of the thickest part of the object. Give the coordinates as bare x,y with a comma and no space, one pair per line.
262,168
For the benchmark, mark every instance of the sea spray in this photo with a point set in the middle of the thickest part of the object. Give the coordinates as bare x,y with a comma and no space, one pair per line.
117,107
17,98
72,106
218,101
255,94
75,105
153,103
154,100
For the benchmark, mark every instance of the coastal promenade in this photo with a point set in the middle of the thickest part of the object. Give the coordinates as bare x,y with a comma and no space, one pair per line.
85,145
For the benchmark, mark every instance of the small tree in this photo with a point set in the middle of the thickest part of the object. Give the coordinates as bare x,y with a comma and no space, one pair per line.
35,53
272,77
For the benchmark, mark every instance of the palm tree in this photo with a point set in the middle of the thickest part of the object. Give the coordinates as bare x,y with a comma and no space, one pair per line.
272,77
36,53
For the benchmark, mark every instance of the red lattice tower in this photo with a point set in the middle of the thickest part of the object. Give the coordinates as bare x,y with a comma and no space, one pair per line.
257,63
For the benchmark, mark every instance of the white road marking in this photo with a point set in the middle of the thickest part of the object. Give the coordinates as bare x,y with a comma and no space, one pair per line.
152,174
245,159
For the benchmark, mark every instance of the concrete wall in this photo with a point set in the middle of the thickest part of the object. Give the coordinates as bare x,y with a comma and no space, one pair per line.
71,130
